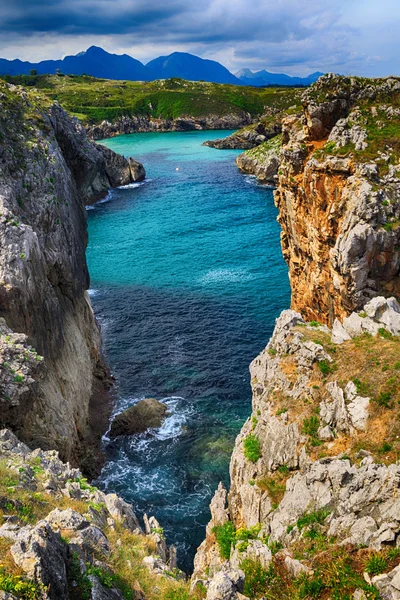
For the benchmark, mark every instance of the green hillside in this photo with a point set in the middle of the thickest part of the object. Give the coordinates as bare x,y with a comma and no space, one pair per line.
94,100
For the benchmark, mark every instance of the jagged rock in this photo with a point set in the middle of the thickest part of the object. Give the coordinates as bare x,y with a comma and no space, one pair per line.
226,586
339,333
218,507
262,161
385,311
60,520
250,137
256,550
388,584
90,540
139,417
137,170
122,512
99,592
127,124
295,567
42,555
335,413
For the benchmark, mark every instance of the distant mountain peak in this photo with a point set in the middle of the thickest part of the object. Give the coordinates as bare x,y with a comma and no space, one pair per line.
98,62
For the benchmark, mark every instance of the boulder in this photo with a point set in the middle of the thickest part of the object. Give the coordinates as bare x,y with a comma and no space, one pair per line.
137,170
138,418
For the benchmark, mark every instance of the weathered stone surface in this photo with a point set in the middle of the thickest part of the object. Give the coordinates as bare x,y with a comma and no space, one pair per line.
262,161
336,212
139,417
48,172
122,512
144,124
42,555
226,586
250,137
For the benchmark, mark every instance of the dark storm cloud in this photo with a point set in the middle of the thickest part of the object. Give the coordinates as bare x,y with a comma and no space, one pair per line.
318,34
206,21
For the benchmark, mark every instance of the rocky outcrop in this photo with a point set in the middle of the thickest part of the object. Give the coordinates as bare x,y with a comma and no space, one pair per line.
315,461
338,196
52,372
62,540
250,136
262,161
139,417
127,124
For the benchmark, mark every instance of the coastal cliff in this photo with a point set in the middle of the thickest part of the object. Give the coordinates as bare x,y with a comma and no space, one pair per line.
338,196
52,375
312,510
127,124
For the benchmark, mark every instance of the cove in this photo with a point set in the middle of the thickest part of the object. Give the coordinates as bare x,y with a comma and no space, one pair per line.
187,279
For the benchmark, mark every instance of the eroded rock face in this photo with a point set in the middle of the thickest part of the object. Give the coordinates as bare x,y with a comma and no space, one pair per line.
48,172
144,124
250,137
262,161
302,427
338,205
46,551
139,417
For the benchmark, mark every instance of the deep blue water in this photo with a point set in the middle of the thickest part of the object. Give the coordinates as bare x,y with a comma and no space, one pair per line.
187,279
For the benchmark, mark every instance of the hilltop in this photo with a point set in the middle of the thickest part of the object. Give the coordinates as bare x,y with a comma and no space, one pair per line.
95,100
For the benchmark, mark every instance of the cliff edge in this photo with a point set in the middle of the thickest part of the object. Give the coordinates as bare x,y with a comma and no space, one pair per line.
313,506
51,369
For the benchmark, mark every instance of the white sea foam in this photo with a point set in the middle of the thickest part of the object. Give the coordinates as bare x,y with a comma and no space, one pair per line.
225,276
93,292
130,186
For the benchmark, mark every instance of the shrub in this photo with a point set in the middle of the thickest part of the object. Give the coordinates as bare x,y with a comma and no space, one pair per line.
311,588
251,448
384,399
325,367
256,578
376,564
225,537
385,333
316,516
310,426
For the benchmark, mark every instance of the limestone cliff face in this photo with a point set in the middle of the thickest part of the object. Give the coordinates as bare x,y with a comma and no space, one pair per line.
338,196
314,474
144,124
48,172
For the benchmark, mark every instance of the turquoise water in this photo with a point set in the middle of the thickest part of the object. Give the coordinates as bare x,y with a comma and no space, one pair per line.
187,279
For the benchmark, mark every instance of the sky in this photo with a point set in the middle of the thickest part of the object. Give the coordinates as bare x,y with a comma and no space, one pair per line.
297,37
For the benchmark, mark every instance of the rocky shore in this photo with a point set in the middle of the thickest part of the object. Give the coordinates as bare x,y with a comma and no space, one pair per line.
126,125
250,136
63,539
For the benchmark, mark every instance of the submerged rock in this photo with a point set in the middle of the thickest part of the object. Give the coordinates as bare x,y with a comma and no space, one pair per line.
136,419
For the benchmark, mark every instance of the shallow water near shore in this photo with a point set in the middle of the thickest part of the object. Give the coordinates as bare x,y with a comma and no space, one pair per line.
187,279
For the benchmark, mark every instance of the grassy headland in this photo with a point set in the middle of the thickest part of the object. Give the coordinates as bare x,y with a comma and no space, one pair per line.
94,100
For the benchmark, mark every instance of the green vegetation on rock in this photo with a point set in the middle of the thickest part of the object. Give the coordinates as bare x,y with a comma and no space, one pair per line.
95,100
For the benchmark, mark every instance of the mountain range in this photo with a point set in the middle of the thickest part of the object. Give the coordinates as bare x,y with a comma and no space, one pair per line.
97,62
260,78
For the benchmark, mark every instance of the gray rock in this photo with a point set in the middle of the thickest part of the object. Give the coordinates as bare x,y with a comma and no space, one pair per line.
122,512
99,592
226,586
256,551
42,556
139,417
